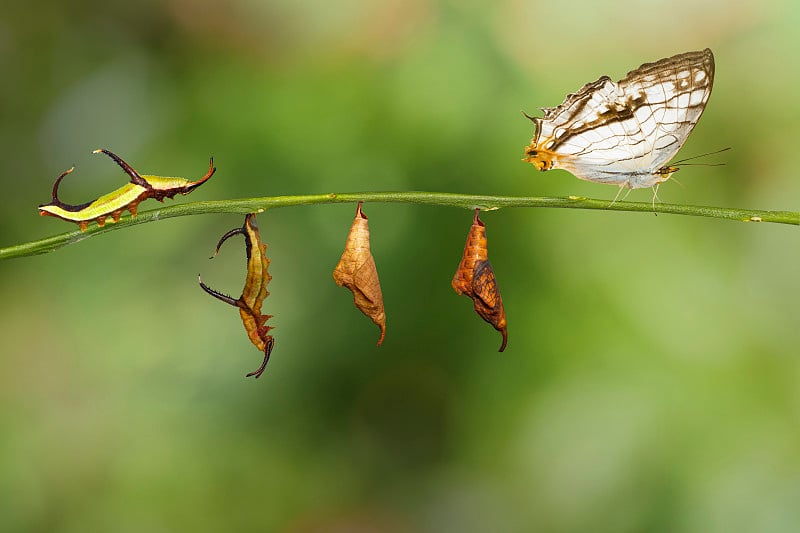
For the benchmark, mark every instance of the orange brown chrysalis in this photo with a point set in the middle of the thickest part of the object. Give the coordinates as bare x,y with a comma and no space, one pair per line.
475,278
356,270
254,292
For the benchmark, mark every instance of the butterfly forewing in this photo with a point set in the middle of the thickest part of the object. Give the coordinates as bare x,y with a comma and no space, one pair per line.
675,91
624,132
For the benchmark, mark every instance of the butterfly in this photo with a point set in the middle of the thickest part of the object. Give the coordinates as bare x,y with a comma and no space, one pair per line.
624,133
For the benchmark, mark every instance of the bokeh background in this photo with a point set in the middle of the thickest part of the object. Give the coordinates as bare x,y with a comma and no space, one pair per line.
651,382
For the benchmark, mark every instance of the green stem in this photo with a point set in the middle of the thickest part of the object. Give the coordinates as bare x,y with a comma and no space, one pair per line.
486,203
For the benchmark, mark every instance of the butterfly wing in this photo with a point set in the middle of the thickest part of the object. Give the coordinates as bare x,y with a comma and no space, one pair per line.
674,92
622,133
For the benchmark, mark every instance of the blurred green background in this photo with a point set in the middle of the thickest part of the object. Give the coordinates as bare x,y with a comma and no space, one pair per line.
651,382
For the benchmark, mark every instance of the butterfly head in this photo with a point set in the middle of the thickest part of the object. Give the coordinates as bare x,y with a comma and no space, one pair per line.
664,173
539,158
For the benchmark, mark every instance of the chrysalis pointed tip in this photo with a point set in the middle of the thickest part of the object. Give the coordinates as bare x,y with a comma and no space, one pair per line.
383,334
359,212
504,331
475,219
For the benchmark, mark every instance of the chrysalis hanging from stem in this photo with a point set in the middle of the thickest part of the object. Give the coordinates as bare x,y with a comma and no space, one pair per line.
254,292
356,270
475,278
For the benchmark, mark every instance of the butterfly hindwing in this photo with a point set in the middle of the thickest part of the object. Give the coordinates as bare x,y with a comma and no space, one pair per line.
623,133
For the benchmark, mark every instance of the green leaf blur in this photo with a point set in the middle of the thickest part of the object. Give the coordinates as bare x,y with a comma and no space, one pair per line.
651,380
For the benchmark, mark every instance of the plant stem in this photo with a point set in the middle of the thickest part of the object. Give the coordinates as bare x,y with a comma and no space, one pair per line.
485,203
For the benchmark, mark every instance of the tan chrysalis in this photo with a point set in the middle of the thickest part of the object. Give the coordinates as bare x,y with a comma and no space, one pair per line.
356,270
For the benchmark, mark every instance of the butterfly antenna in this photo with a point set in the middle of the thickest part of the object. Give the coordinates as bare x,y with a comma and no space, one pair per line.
703,164
703,155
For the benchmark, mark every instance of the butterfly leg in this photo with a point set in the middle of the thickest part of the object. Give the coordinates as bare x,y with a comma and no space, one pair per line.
617,196
655,197
621,187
